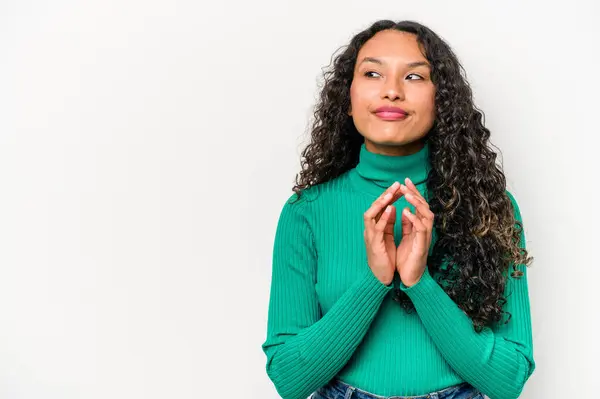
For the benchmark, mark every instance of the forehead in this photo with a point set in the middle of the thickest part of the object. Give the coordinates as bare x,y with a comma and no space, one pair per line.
392,44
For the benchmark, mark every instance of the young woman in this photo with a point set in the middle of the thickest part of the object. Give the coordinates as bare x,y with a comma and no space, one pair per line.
399,263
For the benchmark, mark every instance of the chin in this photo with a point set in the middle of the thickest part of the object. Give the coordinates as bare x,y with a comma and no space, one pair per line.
392,141
384,140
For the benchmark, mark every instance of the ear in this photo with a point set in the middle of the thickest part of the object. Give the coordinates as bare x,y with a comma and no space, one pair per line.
349,112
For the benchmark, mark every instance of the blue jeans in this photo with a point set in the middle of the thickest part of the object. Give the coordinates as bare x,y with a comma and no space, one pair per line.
337,389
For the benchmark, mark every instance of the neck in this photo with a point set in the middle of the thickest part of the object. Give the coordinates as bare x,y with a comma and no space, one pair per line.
395,150
377,171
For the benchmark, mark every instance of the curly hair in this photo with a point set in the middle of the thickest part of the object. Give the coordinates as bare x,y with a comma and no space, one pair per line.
474,222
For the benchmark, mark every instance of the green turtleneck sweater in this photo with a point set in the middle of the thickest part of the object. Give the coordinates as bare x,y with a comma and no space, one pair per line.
330,317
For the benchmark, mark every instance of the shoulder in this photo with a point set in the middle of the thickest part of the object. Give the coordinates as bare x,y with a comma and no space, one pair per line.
298,205
322,193
314,199
302,200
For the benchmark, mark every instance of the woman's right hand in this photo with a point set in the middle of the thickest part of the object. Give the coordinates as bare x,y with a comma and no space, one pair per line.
379,234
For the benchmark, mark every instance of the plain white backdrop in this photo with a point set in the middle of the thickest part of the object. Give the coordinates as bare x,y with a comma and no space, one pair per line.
146,149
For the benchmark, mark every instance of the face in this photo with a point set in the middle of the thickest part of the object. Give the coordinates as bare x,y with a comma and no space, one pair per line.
391,71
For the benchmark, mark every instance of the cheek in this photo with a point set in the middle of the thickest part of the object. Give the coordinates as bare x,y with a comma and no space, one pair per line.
358,101
431,110
356,93
352,94
427,104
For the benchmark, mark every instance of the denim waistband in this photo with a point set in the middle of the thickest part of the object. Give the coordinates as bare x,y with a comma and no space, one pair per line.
337,389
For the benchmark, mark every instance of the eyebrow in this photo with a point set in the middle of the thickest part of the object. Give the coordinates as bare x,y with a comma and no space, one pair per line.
410,64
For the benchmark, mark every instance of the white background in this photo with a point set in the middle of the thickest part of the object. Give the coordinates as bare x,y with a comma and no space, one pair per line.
146,149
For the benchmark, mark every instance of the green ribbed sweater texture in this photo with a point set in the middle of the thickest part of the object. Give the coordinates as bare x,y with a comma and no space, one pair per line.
330,317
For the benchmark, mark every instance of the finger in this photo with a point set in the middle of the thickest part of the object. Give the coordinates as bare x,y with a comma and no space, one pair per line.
383,220
394,198
379,204
378,209
398,194
389,227
422,209
420,230
406,223
421,237
410,196
417,225
414,188
391,189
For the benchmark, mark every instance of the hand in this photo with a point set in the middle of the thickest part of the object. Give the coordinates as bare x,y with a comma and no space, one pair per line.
379,234
411,254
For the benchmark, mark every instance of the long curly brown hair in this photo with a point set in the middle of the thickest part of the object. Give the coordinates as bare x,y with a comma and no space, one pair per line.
474,223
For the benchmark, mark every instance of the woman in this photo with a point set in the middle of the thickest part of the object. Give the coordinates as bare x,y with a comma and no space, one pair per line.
370,302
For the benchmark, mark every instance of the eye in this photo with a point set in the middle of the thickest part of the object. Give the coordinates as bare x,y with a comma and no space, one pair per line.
412,74
368,72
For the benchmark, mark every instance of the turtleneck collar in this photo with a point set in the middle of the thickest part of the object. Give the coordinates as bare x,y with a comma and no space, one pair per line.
376,172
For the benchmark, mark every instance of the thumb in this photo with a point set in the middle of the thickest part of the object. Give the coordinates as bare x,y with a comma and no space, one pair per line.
389,227
406,223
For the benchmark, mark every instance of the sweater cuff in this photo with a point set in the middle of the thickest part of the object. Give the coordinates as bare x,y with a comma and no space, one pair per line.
371,283
421,289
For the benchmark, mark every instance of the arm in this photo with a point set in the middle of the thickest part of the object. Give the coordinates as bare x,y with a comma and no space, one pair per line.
304,350
496,361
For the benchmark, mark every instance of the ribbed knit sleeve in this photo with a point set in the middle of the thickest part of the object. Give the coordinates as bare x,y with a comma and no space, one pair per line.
497,361
304,348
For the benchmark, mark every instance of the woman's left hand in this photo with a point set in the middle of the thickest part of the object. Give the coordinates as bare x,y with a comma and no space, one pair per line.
411,256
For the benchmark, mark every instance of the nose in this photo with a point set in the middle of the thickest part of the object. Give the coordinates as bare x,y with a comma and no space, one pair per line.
393,89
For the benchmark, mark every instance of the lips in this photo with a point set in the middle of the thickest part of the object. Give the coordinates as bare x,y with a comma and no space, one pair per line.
391,113
391,109
391,116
